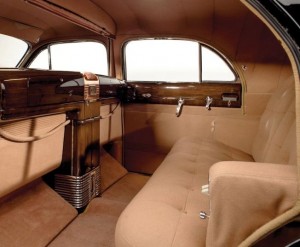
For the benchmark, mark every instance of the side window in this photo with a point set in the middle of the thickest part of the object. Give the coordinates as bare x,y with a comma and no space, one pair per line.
12,51
175,61
162,60
41,61
73,56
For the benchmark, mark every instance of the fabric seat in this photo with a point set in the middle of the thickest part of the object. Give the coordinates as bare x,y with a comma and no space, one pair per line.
166,211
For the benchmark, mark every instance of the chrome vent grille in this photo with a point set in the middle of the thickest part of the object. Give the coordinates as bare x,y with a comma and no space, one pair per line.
78,190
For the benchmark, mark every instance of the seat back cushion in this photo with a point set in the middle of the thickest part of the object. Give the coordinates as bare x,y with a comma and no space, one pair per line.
275,141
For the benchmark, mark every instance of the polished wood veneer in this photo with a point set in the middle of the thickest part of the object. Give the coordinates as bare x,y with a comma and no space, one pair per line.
32,92
192,93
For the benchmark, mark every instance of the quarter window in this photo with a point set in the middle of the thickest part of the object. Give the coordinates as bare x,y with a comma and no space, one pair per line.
214,68
84,56
175,61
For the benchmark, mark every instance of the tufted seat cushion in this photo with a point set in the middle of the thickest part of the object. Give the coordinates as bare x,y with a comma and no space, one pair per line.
166,211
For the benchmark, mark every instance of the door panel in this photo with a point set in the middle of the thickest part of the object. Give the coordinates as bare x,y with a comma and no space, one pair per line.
152,126
152,129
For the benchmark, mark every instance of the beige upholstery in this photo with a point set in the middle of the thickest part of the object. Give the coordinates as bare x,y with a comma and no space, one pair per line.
166,211
22,162
276,139
253,193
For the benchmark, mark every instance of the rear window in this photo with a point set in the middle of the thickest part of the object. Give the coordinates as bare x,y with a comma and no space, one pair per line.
173,60
12,50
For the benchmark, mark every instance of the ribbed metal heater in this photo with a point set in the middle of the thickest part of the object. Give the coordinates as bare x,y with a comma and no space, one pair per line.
78,190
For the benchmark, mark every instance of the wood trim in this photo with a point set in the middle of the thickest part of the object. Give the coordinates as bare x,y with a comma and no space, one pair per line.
192,93
26,93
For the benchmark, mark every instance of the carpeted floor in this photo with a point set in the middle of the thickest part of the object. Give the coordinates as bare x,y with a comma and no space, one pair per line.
96,226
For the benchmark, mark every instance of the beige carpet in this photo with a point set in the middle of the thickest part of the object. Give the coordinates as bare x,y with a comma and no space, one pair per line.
33,216
96,226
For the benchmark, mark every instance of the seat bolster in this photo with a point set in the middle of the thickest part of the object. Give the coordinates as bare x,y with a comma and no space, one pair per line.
249,194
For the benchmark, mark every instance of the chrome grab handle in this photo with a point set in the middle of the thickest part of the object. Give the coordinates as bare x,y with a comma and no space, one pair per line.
208,100
179,107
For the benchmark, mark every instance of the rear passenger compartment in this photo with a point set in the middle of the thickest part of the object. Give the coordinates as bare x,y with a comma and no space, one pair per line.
198,147
169,204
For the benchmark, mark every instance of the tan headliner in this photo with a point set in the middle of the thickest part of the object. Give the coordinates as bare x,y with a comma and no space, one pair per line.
200,19
224,24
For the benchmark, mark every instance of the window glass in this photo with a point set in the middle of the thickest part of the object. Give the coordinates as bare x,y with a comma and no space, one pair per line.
11,50
174,61
84,56
41,61
214,68
162,60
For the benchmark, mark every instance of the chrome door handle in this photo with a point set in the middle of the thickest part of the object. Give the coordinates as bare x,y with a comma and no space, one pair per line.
179,107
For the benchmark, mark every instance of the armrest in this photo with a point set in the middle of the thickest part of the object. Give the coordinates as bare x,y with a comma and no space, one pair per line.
246,195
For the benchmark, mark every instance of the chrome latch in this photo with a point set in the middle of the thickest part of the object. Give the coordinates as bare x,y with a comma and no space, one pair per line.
203,215
179,107
208,101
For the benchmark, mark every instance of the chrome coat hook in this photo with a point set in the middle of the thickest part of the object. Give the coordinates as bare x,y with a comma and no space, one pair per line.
209,101
179,107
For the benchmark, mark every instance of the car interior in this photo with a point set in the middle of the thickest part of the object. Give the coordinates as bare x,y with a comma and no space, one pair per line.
137,123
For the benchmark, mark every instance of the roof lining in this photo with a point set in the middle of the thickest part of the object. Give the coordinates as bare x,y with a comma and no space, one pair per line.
12,28
71,17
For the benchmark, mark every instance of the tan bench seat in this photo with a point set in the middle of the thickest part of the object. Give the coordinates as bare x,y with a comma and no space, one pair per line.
166,211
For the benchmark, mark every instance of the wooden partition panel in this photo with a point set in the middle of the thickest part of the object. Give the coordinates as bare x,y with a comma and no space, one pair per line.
222,94
27,94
